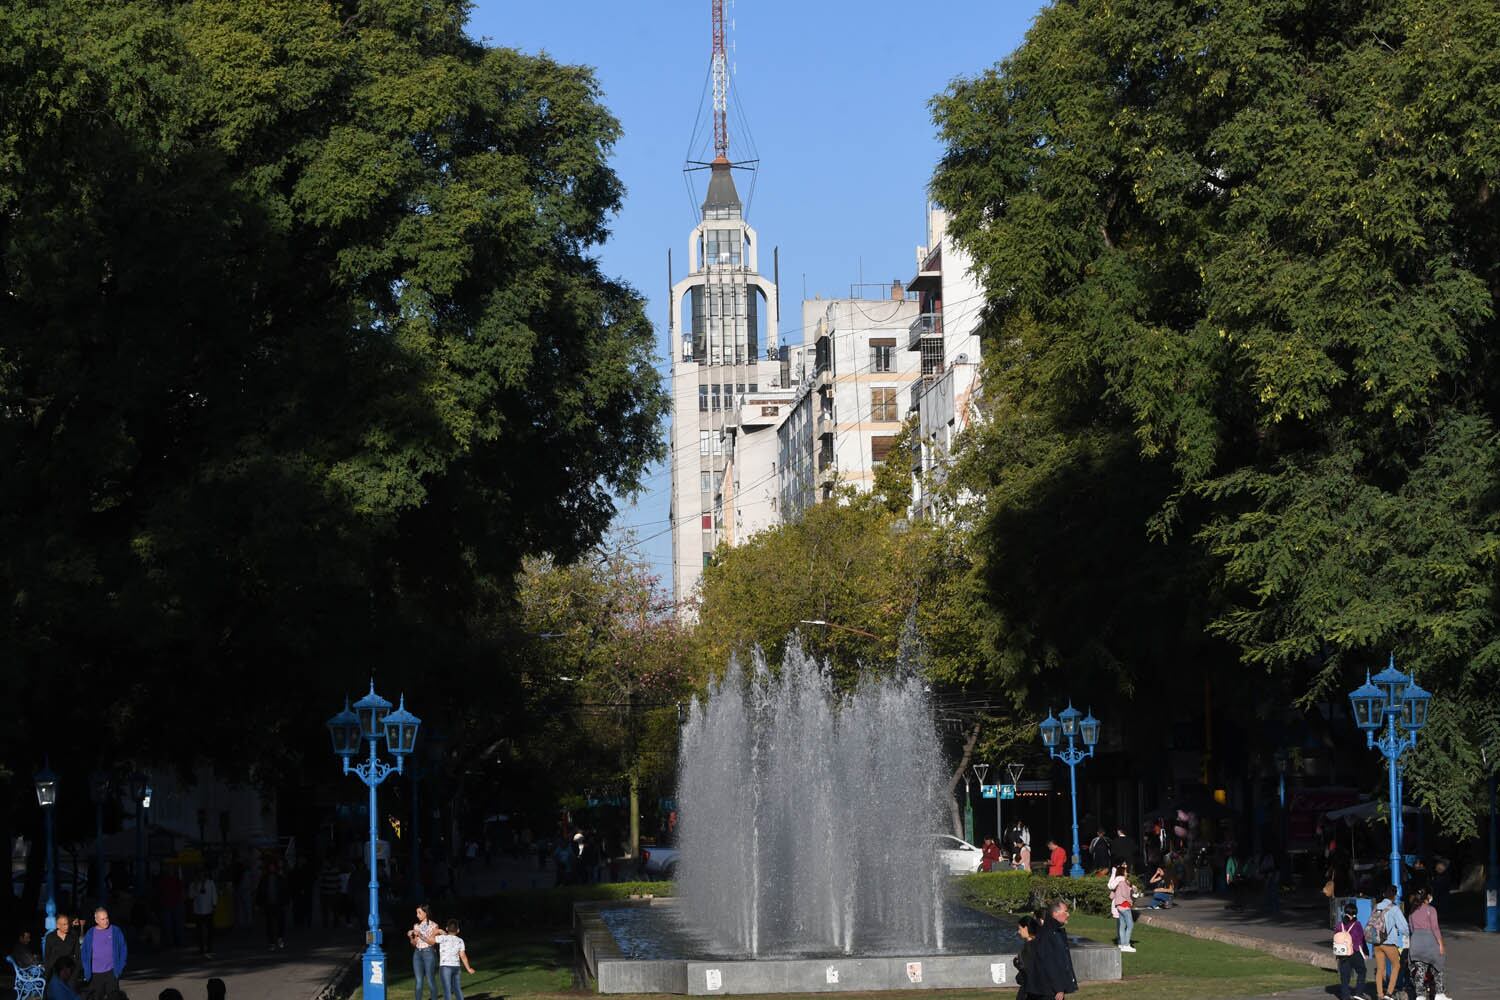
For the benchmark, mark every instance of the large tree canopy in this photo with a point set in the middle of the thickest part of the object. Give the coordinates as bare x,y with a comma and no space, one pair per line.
302,349
1243,260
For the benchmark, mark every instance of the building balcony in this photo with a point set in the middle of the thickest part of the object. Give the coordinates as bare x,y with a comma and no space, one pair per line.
825,425
924,327
918,389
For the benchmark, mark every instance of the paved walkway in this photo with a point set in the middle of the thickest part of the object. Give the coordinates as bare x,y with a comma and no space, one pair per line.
1301,934
248,969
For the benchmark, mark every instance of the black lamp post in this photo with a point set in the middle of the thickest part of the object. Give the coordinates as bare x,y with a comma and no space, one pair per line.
99,785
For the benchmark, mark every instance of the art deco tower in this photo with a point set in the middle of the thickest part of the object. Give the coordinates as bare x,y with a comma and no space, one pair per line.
723,325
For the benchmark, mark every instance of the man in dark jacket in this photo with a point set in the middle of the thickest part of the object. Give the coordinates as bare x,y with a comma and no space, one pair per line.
1051,973
1101,858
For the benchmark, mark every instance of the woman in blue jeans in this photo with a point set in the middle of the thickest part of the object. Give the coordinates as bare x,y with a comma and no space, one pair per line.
424,956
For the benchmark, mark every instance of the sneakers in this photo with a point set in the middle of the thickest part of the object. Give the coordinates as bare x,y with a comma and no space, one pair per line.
1126,947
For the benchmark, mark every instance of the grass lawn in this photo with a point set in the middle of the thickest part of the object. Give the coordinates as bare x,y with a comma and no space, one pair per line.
1173,966
507,963
1168,966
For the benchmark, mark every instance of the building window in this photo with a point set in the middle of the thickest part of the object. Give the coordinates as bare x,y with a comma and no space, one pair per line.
702,398
705,482
882,357
704,441
880,447
708,522
713,395
883,404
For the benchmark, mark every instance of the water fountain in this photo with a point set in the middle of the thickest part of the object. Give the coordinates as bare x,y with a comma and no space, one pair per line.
806,862
809,813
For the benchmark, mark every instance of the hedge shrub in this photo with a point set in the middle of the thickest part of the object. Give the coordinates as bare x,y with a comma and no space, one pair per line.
540,909
1026,892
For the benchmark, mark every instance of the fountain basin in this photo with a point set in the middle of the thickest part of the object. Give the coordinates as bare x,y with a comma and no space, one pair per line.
640,946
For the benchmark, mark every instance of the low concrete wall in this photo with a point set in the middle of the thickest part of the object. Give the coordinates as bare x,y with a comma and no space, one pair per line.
602,961
1244,937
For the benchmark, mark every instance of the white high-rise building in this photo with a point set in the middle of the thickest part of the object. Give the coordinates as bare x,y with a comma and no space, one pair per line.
945,338
723,331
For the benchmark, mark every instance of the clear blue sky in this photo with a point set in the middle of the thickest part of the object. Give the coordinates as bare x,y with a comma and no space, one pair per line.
835,94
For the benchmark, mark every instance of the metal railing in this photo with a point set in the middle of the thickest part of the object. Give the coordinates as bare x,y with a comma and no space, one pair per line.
924,326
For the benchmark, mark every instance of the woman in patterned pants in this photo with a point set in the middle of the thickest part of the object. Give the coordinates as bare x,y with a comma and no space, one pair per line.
1427,950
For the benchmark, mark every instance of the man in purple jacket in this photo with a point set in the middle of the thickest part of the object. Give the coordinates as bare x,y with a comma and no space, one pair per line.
103,957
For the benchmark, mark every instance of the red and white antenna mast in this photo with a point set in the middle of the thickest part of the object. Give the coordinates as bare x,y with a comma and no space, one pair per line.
721,86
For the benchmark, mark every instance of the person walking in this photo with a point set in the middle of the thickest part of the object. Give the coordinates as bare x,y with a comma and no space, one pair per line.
329,892
1101,859
1051,974
1428,953
1349,948
59,944
204,896
450,953
424,956
1028,927
272,897
102,954
1057,858
1120,905
1388,932
171,901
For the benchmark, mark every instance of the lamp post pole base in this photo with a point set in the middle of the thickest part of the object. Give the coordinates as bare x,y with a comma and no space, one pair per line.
374,973
1077,870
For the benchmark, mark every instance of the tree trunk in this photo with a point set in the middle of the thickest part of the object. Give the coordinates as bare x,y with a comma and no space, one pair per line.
635,815
958,775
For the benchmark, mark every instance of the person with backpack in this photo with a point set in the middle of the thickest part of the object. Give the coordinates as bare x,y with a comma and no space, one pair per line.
1388,932
1349,949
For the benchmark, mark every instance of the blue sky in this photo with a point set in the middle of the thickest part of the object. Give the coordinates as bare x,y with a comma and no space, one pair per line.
835,95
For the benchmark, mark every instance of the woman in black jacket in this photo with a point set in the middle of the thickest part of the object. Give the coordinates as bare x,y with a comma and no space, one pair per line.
1028,927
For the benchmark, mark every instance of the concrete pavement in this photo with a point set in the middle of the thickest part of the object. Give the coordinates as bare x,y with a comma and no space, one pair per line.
250,971
1301,934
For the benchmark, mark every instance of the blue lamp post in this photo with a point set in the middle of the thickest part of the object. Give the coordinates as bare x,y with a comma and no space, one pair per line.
46,797
372,721
1394,702
1074,725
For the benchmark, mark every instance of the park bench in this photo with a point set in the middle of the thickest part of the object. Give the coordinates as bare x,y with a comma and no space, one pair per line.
30,982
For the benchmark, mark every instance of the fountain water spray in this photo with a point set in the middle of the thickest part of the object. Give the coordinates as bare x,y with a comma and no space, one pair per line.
807,815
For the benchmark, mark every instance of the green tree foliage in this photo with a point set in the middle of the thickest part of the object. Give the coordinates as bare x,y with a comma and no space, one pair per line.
302,349
607,661
1242,261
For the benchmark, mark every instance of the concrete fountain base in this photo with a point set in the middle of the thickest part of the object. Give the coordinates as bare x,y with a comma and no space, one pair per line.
613,972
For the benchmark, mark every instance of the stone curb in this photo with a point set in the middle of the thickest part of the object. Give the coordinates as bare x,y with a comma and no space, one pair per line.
342,981
1301,954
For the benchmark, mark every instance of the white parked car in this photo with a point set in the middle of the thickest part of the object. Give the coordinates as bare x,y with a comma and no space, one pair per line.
958,856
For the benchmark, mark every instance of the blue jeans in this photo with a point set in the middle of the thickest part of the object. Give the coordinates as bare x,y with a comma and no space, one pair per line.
1127,924
424,969
451,988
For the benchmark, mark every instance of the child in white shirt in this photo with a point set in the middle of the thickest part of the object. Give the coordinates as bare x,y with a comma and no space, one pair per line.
450,953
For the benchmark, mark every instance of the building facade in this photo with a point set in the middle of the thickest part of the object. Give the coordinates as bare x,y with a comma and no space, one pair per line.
944,338
723,317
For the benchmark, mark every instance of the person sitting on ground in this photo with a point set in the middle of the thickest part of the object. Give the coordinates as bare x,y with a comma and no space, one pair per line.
60,987
216,989
1163,888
